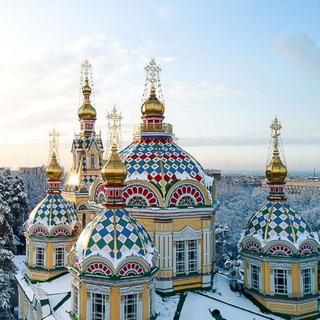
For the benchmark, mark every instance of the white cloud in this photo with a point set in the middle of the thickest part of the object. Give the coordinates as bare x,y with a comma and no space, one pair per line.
300,51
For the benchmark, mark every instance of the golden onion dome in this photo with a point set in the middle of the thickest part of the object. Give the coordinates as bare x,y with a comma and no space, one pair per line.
152,106
54,171
86,111
114,172
276,171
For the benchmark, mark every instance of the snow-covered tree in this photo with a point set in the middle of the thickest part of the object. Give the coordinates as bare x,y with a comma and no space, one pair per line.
238,201
7,267
35,181
13,191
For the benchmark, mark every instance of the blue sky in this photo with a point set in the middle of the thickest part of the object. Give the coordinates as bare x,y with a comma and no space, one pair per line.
228,67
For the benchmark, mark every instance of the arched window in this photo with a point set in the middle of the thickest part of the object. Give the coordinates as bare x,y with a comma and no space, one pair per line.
186,201
137,201
92,161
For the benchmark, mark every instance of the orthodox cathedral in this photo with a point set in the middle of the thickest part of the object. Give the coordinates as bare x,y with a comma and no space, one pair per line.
142,221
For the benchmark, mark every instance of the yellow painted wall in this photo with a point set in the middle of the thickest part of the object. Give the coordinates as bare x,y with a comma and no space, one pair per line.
115,303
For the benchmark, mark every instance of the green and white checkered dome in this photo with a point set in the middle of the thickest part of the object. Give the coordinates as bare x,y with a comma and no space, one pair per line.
51,212
114,235
278,220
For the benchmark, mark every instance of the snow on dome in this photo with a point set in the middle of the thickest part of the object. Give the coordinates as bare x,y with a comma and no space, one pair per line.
53,211
114,235
276,220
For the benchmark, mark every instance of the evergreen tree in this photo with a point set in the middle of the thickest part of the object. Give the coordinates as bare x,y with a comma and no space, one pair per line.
12,189
7,267
35,181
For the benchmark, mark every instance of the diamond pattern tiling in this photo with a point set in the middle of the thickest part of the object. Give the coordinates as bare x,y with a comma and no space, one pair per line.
146,157
115,232
278,219
53,210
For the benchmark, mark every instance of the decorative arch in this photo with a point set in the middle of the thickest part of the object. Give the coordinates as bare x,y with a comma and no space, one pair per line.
77,228
279,250
142,194
82,206
187,193
98,268
306,248
97,191
60,232
39,232
83,189
253,246
75,262
131,268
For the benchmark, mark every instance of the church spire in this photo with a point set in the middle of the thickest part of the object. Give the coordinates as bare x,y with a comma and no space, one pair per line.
86,113
152,108
54,171
276,171
114,174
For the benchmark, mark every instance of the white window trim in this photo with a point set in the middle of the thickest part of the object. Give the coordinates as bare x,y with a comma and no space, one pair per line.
186,256
289,280
35,248
131,290
100,290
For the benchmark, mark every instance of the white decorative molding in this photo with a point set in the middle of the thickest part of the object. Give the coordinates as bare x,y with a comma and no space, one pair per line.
282,266
187,234
254,262
97,289
131,290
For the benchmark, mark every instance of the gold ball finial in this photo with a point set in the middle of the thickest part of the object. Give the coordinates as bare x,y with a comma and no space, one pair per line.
54,171
114,172
152,106
86,89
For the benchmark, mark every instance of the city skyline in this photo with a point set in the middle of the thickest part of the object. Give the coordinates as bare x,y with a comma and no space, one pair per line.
228,68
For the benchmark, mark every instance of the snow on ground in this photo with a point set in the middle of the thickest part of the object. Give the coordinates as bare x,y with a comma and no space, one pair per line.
197,306
19,262
166,307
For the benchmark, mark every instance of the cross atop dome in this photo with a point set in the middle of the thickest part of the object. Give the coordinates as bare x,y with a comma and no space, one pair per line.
114,117
276,171
86,68
54,142
152,81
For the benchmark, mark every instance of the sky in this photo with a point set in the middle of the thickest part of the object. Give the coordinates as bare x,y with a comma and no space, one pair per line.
228,68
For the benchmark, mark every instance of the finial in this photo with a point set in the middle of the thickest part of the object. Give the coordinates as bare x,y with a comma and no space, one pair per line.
85,78
276,171
86,110
54,142
152,81
275,127
114,128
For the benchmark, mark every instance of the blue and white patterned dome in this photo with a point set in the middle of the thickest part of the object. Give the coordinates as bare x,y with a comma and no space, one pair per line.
114,236
276,220
53,211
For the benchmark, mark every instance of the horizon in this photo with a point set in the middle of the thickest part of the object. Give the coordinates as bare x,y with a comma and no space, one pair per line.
228,68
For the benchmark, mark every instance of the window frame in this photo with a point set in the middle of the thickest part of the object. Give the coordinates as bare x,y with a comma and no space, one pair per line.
186,256
280,281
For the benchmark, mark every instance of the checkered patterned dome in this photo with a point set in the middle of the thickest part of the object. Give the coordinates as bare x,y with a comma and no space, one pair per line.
150,161
114,235
53,210
277,220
